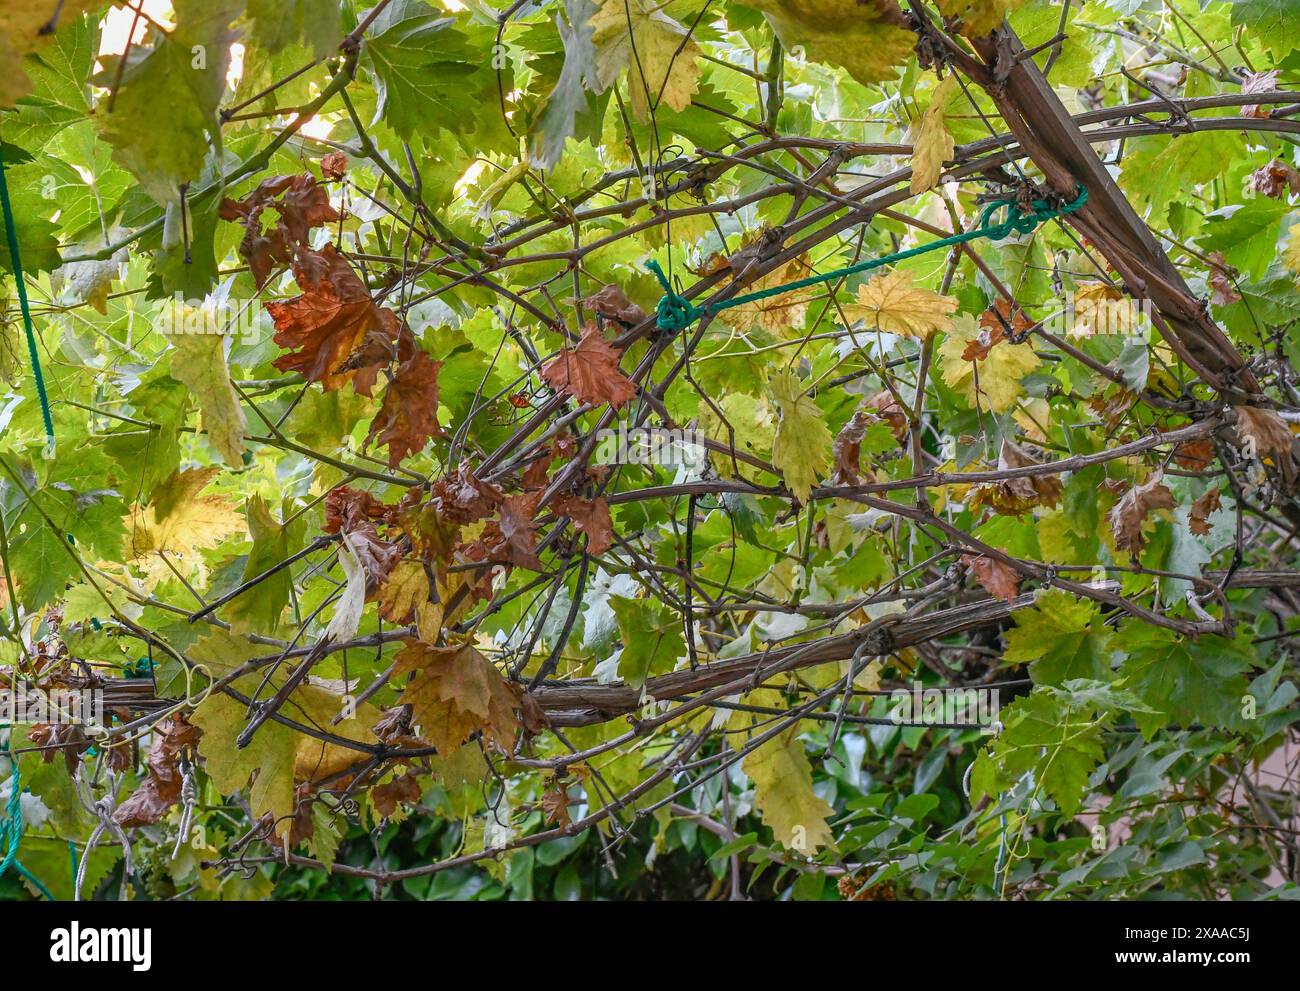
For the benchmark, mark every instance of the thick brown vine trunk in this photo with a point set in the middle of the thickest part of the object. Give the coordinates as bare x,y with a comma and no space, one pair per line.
1035,115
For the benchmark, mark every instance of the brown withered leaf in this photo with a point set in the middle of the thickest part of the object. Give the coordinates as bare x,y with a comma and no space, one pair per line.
1013,496
886,406
994,324
591,516
456,692
1111,406
847,449
408,415
997,577
1223,292
1276,179
612,303
555,803
517,530
326,324
301,203
353,512
402,790
161,789
590,372
1267,433
1258,82
347,508
1194,455
334,165
1128,515
53,738
463,498
1199,517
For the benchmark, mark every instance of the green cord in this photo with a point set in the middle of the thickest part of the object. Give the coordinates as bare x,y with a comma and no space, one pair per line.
32,351
674,312
11,827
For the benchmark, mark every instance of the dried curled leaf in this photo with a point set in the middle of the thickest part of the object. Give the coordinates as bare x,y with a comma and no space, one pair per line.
1130,513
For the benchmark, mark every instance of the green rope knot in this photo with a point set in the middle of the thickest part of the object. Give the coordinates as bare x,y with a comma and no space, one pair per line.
675,312
672,312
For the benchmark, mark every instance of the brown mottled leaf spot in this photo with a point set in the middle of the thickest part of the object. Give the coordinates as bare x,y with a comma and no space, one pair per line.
326,324
590,372
408,414
591,516
997,577
1128,515
1199,517
1013,496
612,303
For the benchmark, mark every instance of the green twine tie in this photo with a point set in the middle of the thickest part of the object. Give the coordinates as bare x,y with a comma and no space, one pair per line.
11,826
32,351
675,312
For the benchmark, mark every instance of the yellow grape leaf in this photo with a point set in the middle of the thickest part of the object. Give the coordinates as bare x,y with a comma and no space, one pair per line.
1101,309
199,361
992,382
314,705
22,31
801,450
977,17
1291,253
778,314
456,691
405,595
660,59
869,38
933,144
269,755
179,523
890,303
783,793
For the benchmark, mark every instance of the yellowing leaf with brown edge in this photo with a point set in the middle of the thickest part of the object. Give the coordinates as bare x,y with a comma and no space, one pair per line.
784,796
658,53
992,382
977,18
802,448
268,758
456,691
179,522
315,704
890,303
868,38
933,144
